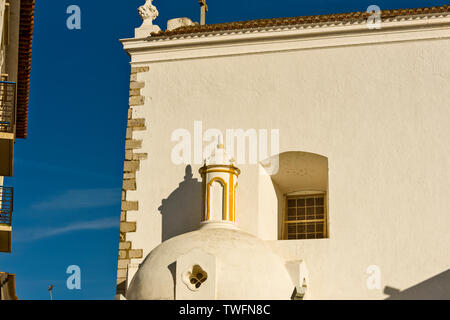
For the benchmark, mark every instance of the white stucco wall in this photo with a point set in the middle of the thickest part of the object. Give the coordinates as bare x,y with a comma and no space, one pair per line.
380,113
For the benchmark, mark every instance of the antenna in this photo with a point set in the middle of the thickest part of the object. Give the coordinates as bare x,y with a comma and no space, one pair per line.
50,290
203,11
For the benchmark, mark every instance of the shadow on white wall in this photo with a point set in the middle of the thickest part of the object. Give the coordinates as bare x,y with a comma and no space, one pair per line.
181,211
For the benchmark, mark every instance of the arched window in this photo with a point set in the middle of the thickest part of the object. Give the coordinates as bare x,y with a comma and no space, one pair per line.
217,199
300,187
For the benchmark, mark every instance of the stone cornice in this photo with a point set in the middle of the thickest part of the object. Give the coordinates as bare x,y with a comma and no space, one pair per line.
210,44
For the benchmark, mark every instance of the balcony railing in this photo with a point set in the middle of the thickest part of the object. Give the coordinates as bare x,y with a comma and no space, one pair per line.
6,205
7,106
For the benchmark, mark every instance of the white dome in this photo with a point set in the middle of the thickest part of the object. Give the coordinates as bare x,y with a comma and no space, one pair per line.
246,267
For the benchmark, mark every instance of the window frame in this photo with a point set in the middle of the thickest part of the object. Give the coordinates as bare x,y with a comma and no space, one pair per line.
304,195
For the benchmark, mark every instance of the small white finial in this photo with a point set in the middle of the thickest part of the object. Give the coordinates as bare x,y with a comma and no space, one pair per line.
219,154
148,13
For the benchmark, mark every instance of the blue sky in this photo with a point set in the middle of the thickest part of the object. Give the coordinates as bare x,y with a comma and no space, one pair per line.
68,172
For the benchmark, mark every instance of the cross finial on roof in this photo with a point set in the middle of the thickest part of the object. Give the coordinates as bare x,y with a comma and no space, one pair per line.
203,11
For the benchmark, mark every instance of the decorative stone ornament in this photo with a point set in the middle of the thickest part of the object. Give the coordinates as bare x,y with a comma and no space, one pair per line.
195,277
148,13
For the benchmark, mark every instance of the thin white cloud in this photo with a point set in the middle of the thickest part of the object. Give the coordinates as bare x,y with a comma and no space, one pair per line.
80,199
33,234
51,167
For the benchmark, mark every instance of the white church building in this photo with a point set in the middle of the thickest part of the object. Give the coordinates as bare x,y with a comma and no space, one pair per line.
288,158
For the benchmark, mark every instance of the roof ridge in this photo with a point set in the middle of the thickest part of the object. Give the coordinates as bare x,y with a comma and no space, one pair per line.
357,16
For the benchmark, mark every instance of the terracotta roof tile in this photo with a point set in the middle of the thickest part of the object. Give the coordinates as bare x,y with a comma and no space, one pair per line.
352,17
24,67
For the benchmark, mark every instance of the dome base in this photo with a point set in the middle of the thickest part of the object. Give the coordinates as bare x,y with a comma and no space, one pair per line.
218,224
